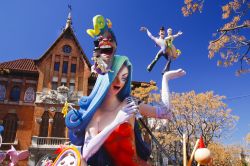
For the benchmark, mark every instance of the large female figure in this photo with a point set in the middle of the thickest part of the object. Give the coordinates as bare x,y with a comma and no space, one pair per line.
106,120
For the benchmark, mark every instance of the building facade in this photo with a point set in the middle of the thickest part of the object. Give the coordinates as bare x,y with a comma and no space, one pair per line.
30,123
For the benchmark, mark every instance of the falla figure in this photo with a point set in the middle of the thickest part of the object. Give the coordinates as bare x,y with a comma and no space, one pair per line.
167,49
105,127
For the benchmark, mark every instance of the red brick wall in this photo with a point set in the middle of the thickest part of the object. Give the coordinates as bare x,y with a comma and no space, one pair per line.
25,115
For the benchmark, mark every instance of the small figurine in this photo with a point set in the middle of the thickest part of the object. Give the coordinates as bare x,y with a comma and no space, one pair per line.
47,162
99,65
202,155
15,156
167,48
105,45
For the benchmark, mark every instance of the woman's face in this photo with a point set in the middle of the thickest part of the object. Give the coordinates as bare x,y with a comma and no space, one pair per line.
169,31
119,81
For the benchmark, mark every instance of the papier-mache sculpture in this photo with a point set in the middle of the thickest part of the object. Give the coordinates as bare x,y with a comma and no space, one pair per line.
105,128
13,154
69,156
105,43
167,49
202,154
16,156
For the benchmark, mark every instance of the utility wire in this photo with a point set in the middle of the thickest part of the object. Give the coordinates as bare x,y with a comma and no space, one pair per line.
237,97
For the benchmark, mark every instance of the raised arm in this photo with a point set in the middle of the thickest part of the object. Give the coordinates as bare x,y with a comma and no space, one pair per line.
144,29
163,111
178,34
94,140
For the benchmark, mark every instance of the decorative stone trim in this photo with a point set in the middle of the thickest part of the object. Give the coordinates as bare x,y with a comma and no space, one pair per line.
16,80
31,81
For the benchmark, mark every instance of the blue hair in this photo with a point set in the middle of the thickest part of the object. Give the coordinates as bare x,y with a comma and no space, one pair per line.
1,129
77,121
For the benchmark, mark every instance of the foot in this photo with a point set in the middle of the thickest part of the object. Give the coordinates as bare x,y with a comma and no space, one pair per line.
172,74
149,68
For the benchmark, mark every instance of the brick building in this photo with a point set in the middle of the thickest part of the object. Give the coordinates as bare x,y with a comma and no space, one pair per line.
28,123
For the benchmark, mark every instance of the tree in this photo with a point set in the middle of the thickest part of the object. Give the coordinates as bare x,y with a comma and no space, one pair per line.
230,41
143,91
196,115
248,138
226,155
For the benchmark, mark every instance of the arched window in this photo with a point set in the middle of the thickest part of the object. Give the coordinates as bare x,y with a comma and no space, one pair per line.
43,132
15,93
58,127
10,127
2,92
29,95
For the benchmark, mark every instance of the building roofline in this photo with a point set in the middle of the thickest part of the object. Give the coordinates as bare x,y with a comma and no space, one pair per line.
69,28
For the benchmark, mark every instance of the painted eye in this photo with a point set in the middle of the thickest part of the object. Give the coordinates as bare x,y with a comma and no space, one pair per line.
124,79
72,162
63,162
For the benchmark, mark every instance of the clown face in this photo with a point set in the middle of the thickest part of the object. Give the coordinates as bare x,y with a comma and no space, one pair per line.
107,47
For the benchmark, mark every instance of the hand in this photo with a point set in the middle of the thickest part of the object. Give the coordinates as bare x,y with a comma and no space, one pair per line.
179,33
143,29
174,74
126,113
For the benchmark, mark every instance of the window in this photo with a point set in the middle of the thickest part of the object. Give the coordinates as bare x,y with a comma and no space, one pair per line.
54,82
15,93
63,81
65,67
10,127
71,86
56,66
58,126
29,95
67,49
2,92
54,85
43,132
73,68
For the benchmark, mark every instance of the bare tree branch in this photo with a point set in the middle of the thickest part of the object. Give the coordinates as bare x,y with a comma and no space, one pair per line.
233,28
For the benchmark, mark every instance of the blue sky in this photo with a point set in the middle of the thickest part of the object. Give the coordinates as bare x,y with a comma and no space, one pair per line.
29,27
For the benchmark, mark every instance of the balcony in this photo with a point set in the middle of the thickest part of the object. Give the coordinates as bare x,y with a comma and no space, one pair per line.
7,145
47,142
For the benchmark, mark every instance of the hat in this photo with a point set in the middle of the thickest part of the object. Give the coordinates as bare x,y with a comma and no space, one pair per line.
162,28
